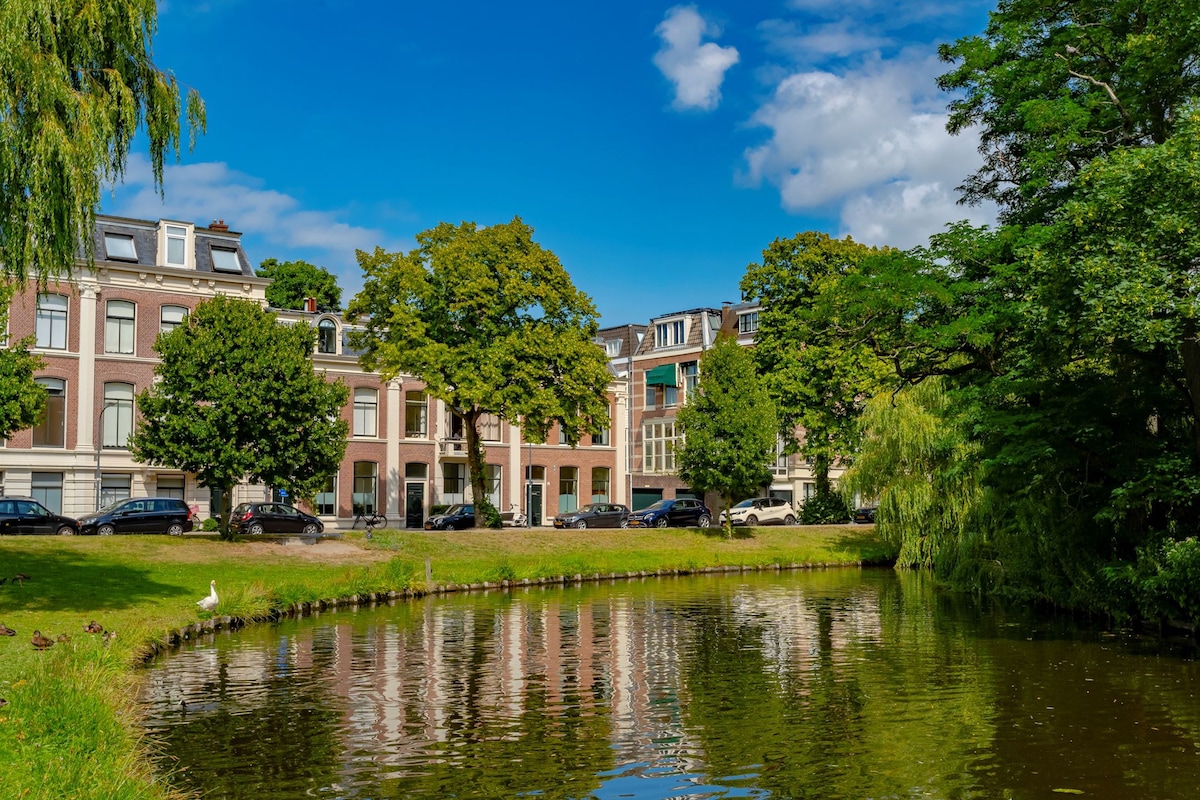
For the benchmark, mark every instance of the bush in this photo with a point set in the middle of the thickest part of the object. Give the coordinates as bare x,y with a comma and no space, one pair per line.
210,524
824,510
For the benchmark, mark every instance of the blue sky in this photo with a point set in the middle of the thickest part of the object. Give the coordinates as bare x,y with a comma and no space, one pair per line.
655,147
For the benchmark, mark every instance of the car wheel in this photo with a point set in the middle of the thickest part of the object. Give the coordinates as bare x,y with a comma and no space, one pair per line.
751,521
581,524
66,530
661,522
175,530
105,530
625,523
310,529
256,529
789,520
704,521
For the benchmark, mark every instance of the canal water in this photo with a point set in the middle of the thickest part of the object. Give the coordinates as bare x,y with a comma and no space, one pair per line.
825,684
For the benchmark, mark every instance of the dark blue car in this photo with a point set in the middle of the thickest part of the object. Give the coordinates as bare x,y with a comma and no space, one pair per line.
684,511
454,518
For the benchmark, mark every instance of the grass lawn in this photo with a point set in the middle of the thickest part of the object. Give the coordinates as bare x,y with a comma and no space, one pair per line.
69,726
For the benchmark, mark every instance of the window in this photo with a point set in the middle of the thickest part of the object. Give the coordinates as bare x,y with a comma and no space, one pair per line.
601,481
171,317
416,415
326,336
535,473
489,428
113,487
669,334
119,326
119,247
604,437
568,489
366,410
51,430
809,491
612,348
51,322
562,434
780,465
454,482
170,486
326,499
47,489
748,322
491,482
176,246
454,426
416,471
117,414
225,260
658,445
365,481
690,371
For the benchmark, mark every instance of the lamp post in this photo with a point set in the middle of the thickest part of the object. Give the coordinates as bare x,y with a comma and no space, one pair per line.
529,486
100,445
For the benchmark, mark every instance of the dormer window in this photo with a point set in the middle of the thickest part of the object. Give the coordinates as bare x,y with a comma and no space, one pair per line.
612,348
225,260
327,336
176,246
748,322
119,247
670,334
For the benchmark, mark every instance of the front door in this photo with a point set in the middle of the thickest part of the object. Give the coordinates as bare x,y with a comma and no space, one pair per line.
535,504
414,505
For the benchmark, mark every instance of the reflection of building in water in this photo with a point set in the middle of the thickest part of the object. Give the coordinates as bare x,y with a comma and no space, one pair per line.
439,674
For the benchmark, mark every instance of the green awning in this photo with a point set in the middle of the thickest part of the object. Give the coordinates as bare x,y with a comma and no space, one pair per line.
661,376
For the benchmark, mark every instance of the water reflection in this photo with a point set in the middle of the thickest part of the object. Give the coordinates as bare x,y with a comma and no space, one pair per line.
831,684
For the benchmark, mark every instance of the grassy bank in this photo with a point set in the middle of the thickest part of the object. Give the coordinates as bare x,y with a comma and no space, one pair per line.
69,729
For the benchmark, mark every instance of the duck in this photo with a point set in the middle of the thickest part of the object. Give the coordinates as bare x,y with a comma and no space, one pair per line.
108,636
20,577
210,602
93,627
64,637
6,631
41,642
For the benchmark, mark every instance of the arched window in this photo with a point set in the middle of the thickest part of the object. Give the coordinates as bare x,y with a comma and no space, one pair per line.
366,412
119,326
327,336
171,317
365,483
117,414
51,430
51,321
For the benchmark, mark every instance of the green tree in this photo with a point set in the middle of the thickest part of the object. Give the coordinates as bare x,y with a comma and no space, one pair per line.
76,84
729,428
818,373
1053,85
294,281
492,324
238,399
22,401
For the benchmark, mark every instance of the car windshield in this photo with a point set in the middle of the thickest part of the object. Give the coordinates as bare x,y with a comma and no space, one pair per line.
593,508
456,510
661,505
745,504
110,506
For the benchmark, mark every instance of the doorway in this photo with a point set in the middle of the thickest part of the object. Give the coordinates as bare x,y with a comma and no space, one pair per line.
535,503
414,505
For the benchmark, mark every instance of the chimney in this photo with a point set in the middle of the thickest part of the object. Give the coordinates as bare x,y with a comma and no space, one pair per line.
218,225
310,305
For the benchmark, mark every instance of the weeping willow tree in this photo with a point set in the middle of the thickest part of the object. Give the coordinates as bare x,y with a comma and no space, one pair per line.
917,460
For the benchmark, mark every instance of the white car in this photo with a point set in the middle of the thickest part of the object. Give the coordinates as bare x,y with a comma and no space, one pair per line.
762,511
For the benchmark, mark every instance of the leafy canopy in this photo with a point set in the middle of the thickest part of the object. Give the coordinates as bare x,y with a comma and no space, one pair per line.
22,401
729,427
492,324
238,399
292,282
78,83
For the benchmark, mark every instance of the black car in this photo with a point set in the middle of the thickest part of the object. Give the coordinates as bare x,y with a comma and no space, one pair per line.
454,518
255,519
595,515
26,515
685,511
168,515
865,515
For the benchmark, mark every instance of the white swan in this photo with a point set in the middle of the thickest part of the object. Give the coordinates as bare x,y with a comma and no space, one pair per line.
210,602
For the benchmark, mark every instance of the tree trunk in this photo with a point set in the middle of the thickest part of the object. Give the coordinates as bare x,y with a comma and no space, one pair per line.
223,528
475,466
727,499
821,476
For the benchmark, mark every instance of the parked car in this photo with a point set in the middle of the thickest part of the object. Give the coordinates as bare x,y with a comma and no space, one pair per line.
24,515
454,518
168,515
762,511
865,515
595,515
255,519
684,511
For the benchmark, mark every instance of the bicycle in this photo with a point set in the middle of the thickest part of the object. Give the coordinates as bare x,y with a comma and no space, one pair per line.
370,521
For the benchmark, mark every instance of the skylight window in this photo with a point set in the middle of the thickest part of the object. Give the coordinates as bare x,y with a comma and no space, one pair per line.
119,246
225,260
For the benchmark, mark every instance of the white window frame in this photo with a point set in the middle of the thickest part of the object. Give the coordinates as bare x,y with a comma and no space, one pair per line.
236,269
58,387
568,489
325,501
419,408
659,440
166,325
52,321
366,412
120,327
748,323
689,373
670,333
327,329
169,231
601,479
115,486
118,419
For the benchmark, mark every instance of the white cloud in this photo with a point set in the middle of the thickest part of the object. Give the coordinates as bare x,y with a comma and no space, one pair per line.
275,224
696,69
871,142
838,39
